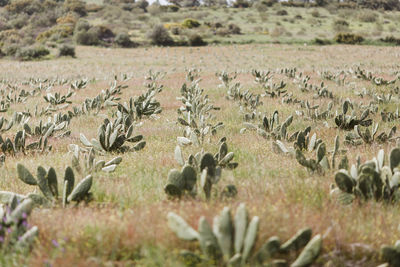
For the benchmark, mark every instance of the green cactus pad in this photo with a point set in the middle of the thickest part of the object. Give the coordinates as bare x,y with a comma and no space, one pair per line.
25,175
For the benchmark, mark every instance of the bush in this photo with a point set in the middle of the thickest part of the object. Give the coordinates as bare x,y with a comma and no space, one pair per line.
103,33
319,41
261,6
66,51
76,6
348,38
31,53
391,40
10,49
24,6
190,23
367,16
123,40
196,40
340,25
160,36
315,13
97,35
234,29
82,25
86,38
282,12
59,31
172,8
4,2
241,4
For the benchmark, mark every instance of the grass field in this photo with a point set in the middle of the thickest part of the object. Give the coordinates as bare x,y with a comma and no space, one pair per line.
126,223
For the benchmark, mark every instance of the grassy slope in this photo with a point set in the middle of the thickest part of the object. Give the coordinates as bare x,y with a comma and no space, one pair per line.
257,27
126,222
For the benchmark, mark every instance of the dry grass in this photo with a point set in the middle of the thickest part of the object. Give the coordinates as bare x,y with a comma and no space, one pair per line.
126,224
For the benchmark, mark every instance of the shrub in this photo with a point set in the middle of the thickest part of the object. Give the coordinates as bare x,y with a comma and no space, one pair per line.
66,51
172,8
61,31
315,13
348,38
24,6
196,40
241,4
76,6
282,12
190,23
160,36
340,25
123,40
31,53
261,6
234,29
103,33
4,2
67,19
367,16
269,3
82,25
319,41
142,4
86,38
154,9
391,40
10,49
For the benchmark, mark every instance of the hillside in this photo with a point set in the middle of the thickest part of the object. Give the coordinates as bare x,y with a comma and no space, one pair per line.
49,25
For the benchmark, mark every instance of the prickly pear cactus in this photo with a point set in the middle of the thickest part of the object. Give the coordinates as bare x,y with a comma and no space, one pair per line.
47,182
370,180
231,241
15,232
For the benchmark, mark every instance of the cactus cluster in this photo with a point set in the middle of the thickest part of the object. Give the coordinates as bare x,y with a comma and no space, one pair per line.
247,100
367,75
315,113
58,99
84,161
18,144
370,180
231,241
368,136
112,136
348,122
195,113
47,182
322,161
208,166
271,128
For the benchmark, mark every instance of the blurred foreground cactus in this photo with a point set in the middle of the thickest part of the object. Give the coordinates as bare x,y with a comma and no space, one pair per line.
15,232
391,254
231,241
